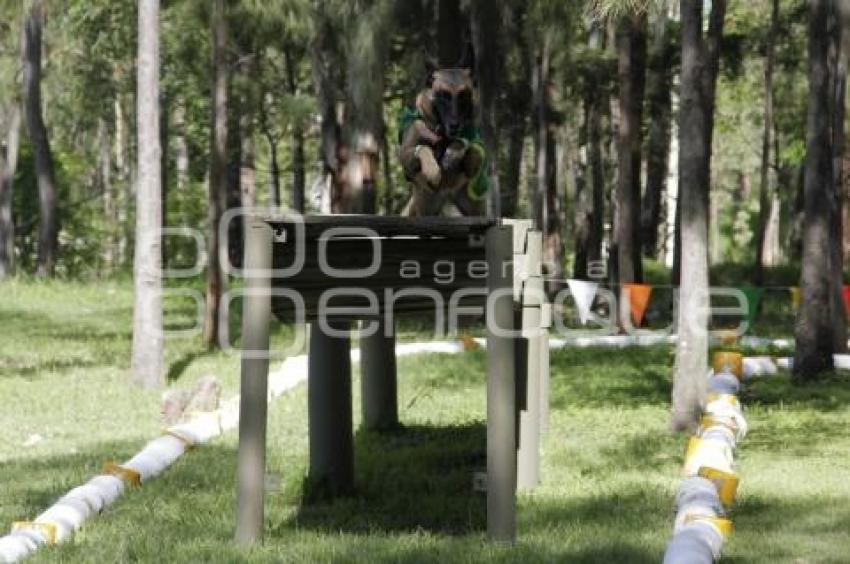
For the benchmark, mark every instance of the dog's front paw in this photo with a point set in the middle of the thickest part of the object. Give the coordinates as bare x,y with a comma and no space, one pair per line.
429,166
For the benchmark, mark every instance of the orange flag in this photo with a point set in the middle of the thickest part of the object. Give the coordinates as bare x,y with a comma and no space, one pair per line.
638,296
846,294
795,297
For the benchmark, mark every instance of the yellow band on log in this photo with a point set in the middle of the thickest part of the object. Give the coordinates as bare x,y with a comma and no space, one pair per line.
722,525
46,529
731,399
726,483
186,442
732,361
708,421
127,475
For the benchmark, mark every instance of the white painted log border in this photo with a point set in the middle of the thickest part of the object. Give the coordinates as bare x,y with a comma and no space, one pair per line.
67,515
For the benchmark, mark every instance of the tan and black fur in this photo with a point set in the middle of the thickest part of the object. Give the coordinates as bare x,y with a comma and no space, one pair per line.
435,158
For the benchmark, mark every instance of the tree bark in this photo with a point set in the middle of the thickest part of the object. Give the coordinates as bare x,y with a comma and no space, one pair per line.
147,354
216,281
631,54
110,207
486,27
48,232
298,159
814,332
660,81
838,73
181,146
700,62
452,32
765,191
8,168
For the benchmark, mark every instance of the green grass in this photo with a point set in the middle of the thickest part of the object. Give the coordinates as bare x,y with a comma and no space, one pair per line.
610,468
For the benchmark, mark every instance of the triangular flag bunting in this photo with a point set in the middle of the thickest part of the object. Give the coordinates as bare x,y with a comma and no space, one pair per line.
846,293
638,296
583,294
753,296
796,296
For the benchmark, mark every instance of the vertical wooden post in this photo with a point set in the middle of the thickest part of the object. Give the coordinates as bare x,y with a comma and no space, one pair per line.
528,456
329,410
545,375
378,384
251,463
501,389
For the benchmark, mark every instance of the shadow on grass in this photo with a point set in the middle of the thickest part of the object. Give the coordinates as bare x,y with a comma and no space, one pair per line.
629,378
416,478
829,393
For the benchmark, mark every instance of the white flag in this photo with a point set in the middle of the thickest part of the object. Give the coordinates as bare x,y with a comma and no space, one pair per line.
583,293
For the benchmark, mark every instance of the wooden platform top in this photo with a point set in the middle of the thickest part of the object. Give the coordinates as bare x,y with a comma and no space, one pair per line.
387,226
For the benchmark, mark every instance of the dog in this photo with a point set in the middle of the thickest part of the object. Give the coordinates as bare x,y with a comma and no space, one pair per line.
441,151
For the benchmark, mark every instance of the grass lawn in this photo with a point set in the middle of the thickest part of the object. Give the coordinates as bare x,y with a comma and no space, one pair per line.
610,468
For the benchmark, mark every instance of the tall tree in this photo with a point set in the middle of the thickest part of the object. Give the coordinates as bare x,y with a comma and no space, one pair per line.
452,32
838,85
814,331
217,246
147,354
631,54
659,109
8,167
486,24
768,199
700,64
48,231
298,158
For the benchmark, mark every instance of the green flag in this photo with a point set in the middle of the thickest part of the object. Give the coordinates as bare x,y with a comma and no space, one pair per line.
753,296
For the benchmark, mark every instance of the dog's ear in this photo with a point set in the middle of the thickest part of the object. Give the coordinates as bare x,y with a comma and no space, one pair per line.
431,66
467,58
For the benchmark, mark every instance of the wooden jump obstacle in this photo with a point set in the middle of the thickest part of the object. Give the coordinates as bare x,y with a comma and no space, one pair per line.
496,266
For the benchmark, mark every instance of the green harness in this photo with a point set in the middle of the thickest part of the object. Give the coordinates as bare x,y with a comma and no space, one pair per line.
480,184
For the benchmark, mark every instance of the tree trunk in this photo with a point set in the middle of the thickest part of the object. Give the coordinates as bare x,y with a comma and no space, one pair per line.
542,138
147,354
216,281
181,146
298,159
486,27
838,72
631,54
48,232
122,167
364,127
323,64
110,207
452,33
513,115
814,331
699,73
8,168
660,81
765,192
389,185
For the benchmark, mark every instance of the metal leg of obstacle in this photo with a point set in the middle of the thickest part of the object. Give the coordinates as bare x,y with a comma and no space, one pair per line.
501,389
251,464
528,457
329,409
378,382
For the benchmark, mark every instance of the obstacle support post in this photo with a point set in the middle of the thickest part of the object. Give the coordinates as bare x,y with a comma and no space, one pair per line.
378,378
501,388
528,403
256,316
329,409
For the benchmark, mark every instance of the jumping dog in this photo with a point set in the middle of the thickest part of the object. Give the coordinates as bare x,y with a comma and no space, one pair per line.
441,151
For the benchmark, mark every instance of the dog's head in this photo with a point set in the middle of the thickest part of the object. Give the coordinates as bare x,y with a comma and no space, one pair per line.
449,100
